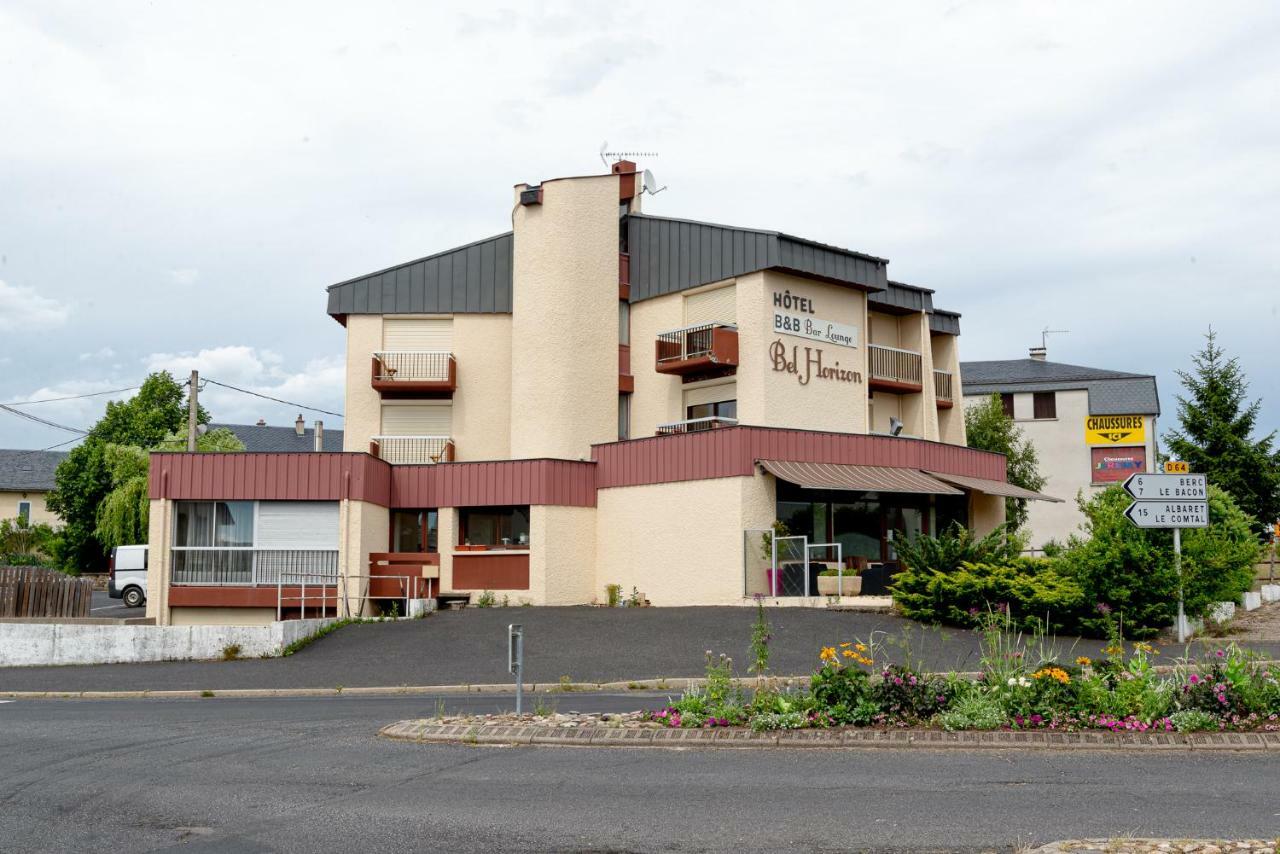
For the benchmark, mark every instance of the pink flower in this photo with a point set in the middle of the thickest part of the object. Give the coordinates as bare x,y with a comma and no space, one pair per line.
1194,679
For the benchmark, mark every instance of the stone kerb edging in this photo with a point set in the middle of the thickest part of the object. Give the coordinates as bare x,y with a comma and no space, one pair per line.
604,736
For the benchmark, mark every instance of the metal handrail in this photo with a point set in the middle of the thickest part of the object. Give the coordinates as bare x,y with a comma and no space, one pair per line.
408,365
693,425
413,450
689,342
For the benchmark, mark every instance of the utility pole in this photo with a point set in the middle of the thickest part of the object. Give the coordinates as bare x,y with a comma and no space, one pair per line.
193,409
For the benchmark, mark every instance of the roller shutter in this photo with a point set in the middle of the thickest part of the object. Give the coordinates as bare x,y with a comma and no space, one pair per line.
710,394
417,334
417,419
297,525
718,306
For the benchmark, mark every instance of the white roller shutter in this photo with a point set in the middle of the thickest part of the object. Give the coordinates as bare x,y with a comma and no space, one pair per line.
417,419
417,334
710,394
297,525
718,306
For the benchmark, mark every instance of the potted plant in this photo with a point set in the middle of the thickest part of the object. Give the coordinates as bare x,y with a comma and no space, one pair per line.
834,582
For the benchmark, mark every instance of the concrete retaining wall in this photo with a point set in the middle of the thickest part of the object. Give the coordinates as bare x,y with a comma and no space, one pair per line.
35,644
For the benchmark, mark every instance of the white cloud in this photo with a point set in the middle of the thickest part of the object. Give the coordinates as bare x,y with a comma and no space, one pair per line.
102,354
184,276
23,309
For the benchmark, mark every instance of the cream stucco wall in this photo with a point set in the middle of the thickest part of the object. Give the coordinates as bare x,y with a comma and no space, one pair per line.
986,513
159,540
40,513
363,528
657,398
363,407
680,543
778,398
222,616
563,555
946,357
564,357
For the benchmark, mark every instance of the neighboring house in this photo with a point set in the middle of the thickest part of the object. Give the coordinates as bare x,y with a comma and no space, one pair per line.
1091,428
597,397
26,477
261,439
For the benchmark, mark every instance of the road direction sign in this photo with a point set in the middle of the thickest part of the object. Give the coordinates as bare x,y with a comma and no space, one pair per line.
1185,487
1169,514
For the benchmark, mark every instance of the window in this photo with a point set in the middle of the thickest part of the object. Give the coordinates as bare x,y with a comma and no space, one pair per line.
414,531
624,322
1045,405
719,409
494,527
24,512
624,416
218,524
1006,400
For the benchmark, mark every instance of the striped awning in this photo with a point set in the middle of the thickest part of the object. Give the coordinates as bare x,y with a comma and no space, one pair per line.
860,478
994,487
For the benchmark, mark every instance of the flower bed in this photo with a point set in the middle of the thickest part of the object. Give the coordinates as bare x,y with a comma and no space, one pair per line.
1020,687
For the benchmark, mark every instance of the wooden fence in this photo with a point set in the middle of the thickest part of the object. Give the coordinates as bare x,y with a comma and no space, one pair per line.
27,591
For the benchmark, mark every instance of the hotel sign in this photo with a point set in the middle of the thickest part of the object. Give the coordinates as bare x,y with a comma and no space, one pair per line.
793,315
809,366
1115,430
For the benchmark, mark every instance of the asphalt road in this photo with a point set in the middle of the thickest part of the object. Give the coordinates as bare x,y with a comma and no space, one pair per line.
223,775
585,644
102,605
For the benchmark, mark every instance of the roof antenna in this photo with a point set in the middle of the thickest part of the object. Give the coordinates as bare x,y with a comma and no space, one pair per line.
1046,332
605,154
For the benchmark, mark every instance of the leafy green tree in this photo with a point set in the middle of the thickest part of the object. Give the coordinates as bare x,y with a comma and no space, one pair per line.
84,478
26,543
123,514
1216,434
989,429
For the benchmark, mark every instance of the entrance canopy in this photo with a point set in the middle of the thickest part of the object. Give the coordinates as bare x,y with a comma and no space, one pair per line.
860,478
994,487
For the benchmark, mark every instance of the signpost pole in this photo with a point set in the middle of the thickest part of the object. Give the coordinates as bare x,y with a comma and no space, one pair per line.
515,661
1177,565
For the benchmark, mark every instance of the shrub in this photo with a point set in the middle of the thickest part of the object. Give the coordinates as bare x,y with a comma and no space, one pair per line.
954,546
231,652
486,599
1189,720
613,592
1033,592
905,695
973,709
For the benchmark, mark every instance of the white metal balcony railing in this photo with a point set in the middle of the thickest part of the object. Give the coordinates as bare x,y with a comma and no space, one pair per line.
689,342
942,385
894,365
414,450
414,365
212,565
694,425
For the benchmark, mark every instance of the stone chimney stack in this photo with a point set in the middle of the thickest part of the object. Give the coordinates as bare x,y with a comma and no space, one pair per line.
1039,354
300,426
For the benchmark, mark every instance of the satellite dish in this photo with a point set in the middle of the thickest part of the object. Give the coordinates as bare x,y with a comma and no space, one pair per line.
895,425
650,184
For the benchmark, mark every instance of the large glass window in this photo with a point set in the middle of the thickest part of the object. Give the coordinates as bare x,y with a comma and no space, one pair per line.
719,409
856,526
222,524
494,526
414,530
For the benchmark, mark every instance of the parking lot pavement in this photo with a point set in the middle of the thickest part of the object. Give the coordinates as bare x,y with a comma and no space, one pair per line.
584,644
310,775
102,605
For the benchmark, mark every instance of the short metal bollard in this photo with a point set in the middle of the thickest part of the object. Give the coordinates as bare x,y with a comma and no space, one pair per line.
515,661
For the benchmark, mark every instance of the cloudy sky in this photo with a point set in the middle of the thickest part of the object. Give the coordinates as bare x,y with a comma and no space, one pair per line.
180,181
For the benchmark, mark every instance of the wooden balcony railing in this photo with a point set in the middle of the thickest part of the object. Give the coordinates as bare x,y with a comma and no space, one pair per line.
709,349
415,373
894,370
942,389
412,450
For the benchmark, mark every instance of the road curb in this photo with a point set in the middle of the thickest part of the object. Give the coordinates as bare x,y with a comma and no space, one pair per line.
603,736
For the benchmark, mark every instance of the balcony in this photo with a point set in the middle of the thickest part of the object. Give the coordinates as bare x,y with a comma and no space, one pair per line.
412,450
695,425
703,351
244,566
894,370
942,389
414,373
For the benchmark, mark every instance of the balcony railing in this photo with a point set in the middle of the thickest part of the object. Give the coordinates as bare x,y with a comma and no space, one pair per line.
942,388
695,425
894,370
708,348
250,566
415,372
412,450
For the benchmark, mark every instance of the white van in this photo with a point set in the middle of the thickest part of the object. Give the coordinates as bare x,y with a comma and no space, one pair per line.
128,575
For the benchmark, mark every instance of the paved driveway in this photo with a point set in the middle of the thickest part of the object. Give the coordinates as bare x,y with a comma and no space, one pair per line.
585,644
102,605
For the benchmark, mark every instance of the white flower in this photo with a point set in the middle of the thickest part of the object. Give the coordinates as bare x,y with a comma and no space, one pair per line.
1012,681
1022,681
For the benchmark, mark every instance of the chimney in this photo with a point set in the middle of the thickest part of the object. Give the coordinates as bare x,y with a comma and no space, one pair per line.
300,426
319,436
262,422
1039,353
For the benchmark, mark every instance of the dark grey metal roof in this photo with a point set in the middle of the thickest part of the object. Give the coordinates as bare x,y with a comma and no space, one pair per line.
899,298
266,440
947,322
672,255
28,471
1110,392
475,278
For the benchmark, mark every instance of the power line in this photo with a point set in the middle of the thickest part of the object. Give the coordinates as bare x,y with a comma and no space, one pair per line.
38,420
60,444
71,397
276,399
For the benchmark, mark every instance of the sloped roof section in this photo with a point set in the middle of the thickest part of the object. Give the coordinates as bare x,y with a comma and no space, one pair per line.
474,279
900,298
672,255
1034,370
28,471
1110,392
278,440
945,322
